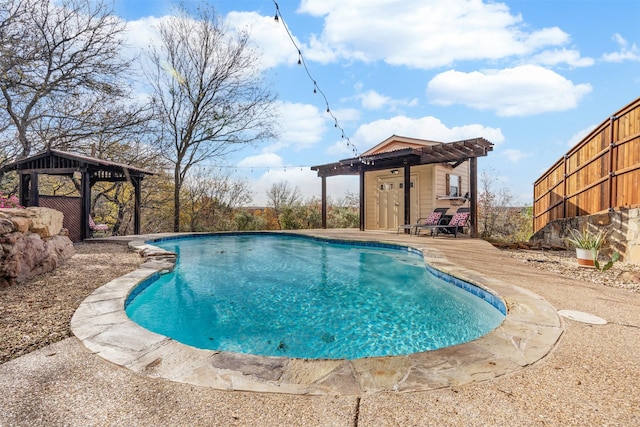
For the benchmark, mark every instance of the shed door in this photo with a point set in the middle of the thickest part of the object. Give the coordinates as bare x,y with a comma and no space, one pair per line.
388,203
390,198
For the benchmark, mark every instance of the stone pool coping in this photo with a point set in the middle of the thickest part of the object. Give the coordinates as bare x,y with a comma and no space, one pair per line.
529,332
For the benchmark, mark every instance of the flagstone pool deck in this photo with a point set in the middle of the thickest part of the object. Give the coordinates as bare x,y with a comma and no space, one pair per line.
537,368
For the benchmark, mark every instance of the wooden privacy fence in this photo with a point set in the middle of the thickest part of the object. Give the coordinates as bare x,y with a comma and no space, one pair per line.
601,173
70,208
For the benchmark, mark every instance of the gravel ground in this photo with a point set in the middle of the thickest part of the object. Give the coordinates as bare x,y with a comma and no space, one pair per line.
37,313
621,275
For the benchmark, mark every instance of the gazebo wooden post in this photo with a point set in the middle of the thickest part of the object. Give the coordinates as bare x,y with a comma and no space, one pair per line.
407,197
324,201
136,210
24,189
29,195
34,195
85,209
473,171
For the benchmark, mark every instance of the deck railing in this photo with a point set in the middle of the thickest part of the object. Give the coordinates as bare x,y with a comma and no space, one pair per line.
600,173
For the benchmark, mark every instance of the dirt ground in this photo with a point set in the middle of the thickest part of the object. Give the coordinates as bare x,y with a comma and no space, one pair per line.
37,313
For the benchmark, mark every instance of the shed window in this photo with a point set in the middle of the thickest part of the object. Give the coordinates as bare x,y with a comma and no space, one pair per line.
454,185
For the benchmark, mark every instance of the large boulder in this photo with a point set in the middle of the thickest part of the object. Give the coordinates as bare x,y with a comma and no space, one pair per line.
45,222
30,243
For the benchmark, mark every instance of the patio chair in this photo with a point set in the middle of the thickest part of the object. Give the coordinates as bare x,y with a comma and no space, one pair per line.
97,227
457,223
432,220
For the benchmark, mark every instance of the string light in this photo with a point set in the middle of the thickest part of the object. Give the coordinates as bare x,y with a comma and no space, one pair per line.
222,168
316,89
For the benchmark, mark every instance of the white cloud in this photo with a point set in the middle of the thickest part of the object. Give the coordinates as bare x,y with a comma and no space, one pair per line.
427,34
519,91
372,100
580,135
266,34
140,35
562,56
302,126
265,160
429,128
626,52
269,36
514,156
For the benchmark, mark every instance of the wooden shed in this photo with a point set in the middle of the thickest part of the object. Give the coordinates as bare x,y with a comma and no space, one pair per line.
403,179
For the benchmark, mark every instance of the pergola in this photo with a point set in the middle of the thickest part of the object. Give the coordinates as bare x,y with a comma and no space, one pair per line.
90,169
454,153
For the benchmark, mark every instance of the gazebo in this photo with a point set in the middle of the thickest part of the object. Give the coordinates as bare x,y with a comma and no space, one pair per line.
90,170
400,153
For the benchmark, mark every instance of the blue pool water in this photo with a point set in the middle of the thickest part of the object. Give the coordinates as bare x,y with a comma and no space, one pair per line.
284,295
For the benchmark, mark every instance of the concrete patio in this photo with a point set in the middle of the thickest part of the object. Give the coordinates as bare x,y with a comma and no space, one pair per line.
590,376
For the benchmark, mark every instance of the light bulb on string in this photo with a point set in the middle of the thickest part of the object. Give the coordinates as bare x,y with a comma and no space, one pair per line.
316,89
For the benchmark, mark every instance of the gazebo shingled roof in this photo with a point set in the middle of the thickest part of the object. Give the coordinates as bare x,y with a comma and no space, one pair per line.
92,170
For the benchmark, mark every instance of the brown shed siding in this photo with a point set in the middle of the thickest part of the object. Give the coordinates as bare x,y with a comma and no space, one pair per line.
601,172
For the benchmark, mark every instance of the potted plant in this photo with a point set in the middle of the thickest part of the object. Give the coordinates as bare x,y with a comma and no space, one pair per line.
587,245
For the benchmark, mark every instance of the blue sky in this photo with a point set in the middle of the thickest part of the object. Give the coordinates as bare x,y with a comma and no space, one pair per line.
531,76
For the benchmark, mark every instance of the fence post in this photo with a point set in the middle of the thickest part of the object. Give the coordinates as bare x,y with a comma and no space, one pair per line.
564,187
612,145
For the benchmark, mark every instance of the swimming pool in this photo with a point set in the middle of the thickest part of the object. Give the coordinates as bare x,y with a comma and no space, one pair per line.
295,296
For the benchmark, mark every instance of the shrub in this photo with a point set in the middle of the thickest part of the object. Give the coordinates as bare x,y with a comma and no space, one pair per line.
10,201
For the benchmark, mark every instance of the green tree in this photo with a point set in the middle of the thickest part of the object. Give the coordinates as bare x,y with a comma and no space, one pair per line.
246,221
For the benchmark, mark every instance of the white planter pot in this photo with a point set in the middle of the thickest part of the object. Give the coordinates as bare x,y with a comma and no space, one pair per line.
585,257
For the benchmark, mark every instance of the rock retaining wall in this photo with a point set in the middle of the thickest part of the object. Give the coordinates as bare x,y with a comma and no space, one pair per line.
623,224
32,242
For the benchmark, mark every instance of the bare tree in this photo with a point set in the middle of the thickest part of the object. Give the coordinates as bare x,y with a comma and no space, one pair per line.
62,75
209,97
280,196
494,207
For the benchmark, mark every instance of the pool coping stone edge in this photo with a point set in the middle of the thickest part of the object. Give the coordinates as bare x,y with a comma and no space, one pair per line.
528,333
